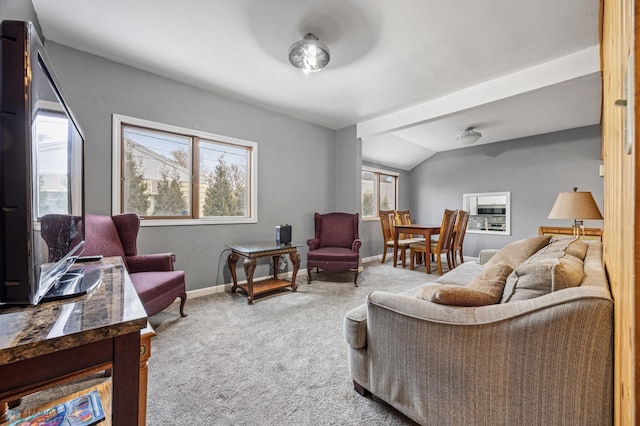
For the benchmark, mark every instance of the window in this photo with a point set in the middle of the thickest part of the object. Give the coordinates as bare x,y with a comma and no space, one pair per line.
171,175
490,212
379,192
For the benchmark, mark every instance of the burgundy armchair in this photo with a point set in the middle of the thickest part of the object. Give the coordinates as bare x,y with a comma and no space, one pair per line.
153,276
336,245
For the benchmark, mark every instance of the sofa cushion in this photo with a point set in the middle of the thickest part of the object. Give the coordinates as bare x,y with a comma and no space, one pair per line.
518,251
462,275
485,289
537,277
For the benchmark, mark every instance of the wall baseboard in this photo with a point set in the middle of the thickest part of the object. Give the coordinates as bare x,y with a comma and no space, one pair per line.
221,288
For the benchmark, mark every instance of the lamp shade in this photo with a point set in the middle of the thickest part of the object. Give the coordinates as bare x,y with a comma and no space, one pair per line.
575,205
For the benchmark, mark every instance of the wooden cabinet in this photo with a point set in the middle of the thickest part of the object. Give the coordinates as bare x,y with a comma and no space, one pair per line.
45,345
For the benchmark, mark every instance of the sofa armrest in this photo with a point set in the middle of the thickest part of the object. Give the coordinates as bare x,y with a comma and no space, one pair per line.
485,255
151,262
355,327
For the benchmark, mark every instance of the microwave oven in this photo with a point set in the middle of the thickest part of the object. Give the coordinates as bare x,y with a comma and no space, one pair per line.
492,210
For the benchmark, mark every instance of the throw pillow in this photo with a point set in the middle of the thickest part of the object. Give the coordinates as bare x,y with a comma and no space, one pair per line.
485,289
518,251
543,276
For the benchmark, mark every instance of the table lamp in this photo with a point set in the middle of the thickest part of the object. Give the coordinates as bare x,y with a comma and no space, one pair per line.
577,206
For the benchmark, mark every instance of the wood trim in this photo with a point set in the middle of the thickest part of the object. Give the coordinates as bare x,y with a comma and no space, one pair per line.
621,202
568,230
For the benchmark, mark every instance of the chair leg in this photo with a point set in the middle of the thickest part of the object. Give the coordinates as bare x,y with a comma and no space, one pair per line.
440,263
412,255
355,279
309,275
461,258
183,300
384,254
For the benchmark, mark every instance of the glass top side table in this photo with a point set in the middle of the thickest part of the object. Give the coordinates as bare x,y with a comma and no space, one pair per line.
251,252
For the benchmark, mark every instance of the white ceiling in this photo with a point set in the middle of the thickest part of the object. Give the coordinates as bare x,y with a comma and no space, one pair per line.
412,74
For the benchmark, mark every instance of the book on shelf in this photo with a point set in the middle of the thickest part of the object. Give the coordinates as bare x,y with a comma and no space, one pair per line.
83,410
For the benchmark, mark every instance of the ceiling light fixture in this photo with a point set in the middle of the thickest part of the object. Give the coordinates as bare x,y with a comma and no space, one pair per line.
469,136
309,54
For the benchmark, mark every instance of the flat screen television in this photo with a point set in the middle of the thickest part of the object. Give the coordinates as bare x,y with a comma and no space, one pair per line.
42,159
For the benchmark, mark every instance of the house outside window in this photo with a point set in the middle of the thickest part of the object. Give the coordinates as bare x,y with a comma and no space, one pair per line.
172,175
379,192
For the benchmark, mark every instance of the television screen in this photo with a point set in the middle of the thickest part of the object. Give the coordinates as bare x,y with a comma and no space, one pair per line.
42,177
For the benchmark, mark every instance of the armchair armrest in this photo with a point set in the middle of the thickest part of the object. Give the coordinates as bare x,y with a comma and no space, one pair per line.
151,262
313,243
355,246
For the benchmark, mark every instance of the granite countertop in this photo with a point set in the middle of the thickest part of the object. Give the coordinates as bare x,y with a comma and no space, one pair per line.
110,310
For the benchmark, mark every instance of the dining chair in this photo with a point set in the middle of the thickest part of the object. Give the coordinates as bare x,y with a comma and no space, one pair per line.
388,220
443,246
404,216
459,230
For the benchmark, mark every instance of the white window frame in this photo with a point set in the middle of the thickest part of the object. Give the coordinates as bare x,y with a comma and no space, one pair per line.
377,190
119,120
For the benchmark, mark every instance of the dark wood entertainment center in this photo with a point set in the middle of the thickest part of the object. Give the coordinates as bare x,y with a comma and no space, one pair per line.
44,345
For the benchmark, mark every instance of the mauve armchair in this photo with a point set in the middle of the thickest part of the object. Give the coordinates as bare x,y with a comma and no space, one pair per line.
336,245
153,275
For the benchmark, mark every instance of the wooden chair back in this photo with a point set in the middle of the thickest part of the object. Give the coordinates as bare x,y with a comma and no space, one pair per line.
445,241
459,231
387,222
404,218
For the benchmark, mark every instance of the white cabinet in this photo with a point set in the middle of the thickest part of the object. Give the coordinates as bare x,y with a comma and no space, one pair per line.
492,200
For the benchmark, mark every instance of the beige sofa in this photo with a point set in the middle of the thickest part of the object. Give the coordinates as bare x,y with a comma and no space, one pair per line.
530,360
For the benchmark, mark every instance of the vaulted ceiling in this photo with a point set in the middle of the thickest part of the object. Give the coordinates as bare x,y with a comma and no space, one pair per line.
411,74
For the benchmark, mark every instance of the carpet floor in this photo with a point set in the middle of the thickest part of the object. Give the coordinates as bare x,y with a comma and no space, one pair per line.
281,361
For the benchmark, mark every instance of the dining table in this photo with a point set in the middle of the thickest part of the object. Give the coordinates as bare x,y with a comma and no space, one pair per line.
413,229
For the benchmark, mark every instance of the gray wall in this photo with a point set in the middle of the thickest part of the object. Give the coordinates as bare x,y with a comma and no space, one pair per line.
19,10
348,166
533,169
296,159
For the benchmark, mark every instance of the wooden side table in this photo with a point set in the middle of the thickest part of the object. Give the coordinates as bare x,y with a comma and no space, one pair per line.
251,252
